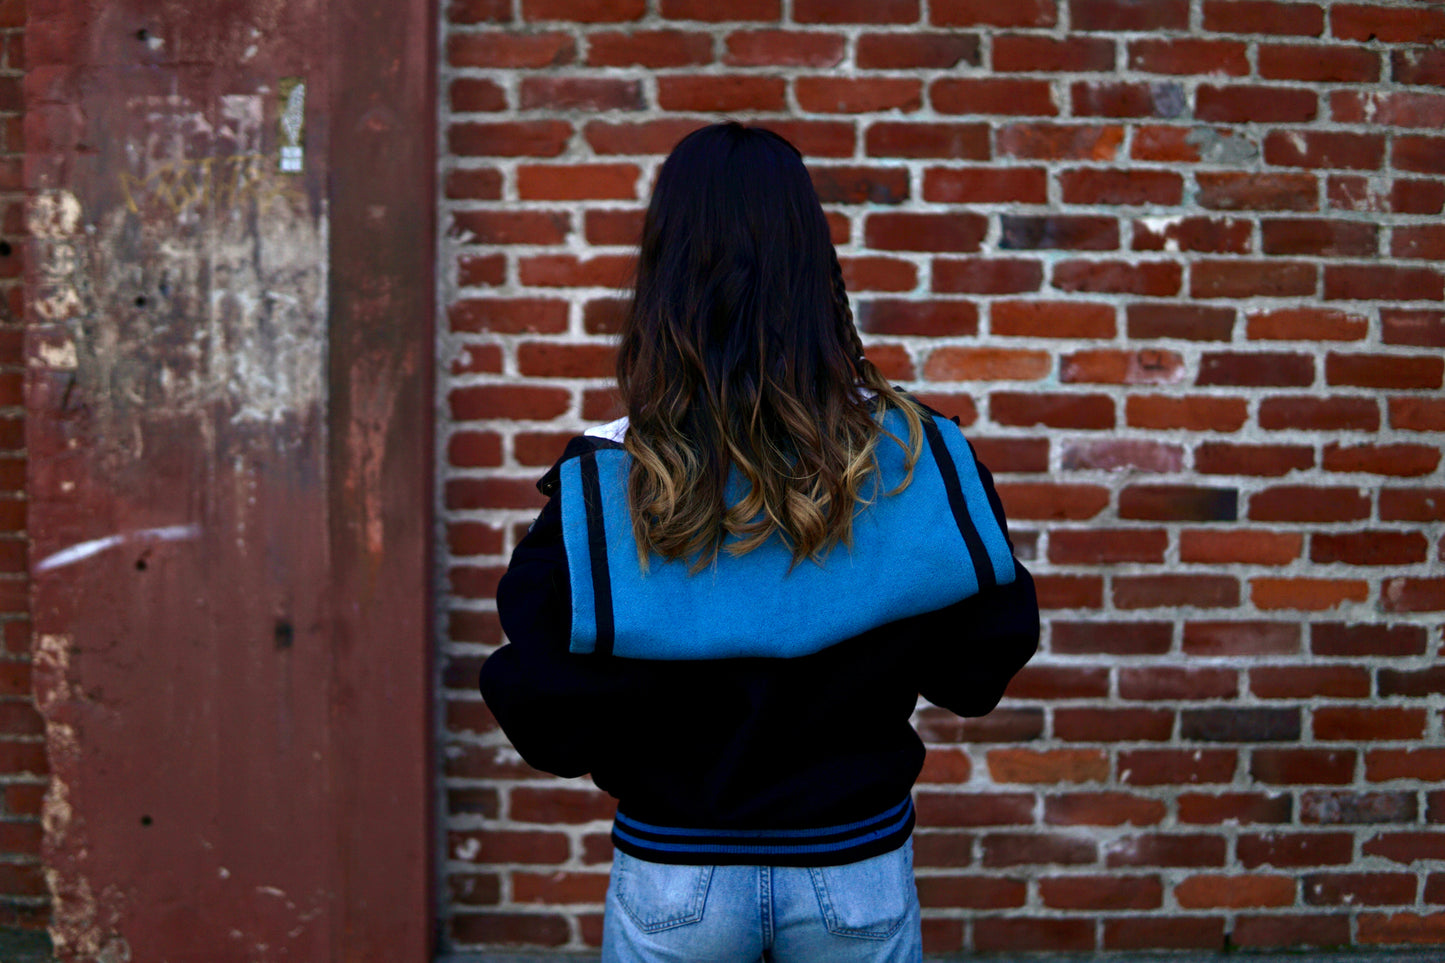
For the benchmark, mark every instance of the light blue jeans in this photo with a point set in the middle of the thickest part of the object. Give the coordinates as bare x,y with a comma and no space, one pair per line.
864,912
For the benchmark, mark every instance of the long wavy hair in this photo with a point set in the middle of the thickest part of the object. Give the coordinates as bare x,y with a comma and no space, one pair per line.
739,358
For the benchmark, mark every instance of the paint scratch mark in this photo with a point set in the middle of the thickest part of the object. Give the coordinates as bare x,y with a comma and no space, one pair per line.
84,550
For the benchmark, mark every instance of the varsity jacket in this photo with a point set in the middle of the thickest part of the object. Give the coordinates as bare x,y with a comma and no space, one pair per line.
758,711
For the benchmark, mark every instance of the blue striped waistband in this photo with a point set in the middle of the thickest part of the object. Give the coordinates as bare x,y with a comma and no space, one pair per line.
822,844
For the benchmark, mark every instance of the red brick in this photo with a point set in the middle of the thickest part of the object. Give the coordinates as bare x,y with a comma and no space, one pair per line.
860,185
999,95
1324,238
855,11
1306,594
1240,807
1307,766
507,49
1409,25
1116,455
526,402
1160,849
1245,191
1256,547
1418,65
1066,232
1417,683
1156,279
559,888
1235,892
1102,809
1337,639
1205,234
1384,371
482,183
473,538
1013,454
915,51
973,892
986,13
1101,892
1425,329
1324,149
1154,591
1242,104
1263,16
1244,279
763,10
878,274
536,929
1344,723
583,11
1369,548
1047,766
974,809
1424,155
1188,322
643,137
1412,505
1302,681
581,93
1319,414
1041,500
1039,54
476,95
541,359
1189,56
1408,848
1052,319
1413,595
892,361
1359,889
986,275
577,181
1122,367
945,766
789,48
1295,849
1319,63
1044,141
1388,109
925,232
725,92
1154,767
1424,241
953,141
1129,15
1305,324
479,11
1291,931
648,48
1067,591
848,95
509,315
1168,144
1179,503
1241,638
525,138
908,317
1116,638
1154,931
986,364
1402,195
1082,411
1032,934
1191,413
1402,928
1059,682
1021,849
1124,187
1374,282
482,270
1113,725
1178,684
1255,369
944,848
1107,546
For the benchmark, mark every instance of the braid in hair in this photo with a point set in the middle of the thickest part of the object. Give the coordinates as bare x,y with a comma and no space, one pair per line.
845,313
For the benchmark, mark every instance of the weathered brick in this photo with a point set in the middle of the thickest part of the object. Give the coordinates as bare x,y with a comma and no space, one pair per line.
1101,892
1115,455
648,48
1032,53
984,13
1129,15
1319,63
979,185
912,51
1295,849
846,95
987,275
1044,141
996,95
1235,891
1306,766
1345,807
1244,191
784,48
1264,16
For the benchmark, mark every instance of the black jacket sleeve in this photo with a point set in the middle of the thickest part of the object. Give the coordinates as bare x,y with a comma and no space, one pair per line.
971,650
549,701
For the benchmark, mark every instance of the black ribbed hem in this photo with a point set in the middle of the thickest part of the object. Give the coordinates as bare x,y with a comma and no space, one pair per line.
819,846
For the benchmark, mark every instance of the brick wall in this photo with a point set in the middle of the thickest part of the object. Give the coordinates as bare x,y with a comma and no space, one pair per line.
1179,266
23,900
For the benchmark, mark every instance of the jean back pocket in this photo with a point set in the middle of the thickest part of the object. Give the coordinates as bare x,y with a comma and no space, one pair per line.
868,899
659,896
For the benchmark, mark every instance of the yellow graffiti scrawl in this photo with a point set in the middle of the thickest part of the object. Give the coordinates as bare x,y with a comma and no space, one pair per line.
218,183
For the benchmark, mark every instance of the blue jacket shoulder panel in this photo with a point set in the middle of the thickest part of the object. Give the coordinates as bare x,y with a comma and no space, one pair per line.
931,544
